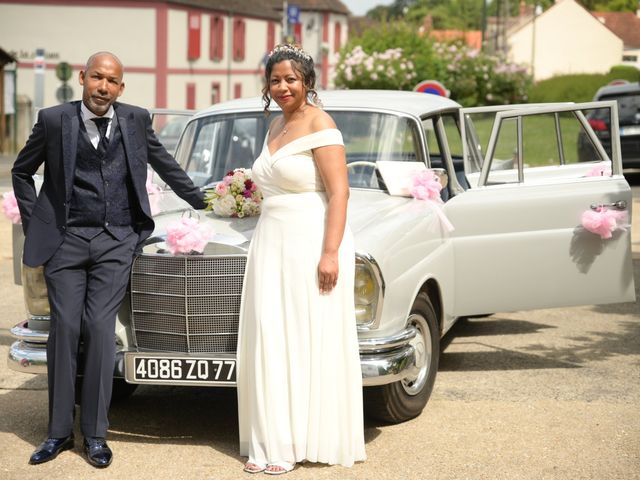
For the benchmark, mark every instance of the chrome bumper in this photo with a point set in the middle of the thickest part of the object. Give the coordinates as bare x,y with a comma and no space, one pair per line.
29,353
387,360
383,360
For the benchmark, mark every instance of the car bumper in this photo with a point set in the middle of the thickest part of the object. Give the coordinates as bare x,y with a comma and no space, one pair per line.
383,360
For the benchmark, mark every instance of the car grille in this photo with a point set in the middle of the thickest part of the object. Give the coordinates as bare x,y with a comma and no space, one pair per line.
187,304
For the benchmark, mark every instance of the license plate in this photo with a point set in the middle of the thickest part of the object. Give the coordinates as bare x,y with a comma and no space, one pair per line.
176,370
632,130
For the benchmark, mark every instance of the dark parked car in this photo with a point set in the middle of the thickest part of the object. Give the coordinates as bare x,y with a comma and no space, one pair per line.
628,98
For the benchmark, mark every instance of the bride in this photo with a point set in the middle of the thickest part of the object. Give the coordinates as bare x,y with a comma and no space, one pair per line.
299,376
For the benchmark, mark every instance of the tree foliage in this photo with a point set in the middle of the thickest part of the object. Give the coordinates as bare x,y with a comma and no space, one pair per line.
468,14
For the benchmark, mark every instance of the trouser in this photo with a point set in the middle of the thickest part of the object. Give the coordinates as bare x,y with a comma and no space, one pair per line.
86,281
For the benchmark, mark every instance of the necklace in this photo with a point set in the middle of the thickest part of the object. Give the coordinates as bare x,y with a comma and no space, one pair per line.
284,131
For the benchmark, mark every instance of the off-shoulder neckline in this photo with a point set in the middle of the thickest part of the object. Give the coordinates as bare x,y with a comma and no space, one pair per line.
295,140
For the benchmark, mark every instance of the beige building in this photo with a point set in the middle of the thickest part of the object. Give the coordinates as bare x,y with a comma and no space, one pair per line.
177,53
564,39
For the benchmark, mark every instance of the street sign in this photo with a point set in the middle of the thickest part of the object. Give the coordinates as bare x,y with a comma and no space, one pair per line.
38,61
293,14
63,71
64,93
433,87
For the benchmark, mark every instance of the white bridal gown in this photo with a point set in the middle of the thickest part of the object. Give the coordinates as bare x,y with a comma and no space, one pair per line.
299,376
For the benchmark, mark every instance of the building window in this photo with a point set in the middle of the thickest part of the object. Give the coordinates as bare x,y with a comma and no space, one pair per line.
237,90
215,93
297,33
191,96
239,28
216,38
193,38
271,36
337,37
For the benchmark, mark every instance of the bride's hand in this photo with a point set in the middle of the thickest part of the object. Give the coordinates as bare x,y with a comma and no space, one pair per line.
328,272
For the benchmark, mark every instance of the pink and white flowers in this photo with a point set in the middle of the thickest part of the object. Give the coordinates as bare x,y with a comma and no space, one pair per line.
235,196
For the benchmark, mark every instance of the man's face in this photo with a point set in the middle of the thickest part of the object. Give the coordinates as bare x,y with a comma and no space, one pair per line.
101,83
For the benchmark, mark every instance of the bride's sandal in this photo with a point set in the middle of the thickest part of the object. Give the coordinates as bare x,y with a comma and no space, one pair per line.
251,467
278,468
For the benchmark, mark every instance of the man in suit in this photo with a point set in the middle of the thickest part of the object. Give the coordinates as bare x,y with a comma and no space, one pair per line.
91,215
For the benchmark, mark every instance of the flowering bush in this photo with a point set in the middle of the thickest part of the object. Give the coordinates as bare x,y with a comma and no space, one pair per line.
235,196
473,77
388,70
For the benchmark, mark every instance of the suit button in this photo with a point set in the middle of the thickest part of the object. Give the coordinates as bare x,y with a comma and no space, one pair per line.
106,224
64,227
64,204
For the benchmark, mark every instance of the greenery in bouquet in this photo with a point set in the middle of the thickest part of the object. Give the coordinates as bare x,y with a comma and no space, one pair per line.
236,195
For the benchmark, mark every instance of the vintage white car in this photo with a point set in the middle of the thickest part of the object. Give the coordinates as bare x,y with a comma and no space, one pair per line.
515,194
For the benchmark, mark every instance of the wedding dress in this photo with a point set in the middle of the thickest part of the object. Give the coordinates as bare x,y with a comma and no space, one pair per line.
299,376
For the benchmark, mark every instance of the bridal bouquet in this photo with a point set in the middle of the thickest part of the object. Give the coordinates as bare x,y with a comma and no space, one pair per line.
235,196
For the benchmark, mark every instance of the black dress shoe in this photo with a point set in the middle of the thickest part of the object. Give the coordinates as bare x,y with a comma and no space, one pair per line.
50,448
98,452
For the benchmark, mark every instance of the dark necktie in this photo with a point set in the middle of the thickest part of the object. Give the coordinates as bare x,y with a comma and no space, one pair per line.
102,123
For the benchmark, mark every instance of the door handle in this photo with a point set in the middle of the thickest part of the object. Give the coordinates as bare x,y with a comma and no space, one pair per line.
619,205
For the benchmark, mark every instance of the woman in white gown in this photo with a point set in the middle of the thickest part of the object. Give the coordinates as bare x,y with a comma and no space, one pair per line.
299,376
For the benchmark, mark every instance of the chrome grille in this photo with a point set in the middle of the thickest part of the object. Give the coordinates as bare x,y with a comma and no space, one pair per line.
187,304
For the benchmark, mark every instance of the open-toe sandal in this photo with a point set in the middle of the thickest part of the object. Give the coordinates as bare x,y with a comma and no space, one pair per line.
252,467
282,468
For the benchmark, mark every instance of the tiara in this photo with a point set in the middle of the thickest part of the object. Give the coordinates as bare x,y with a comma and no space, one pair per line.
292,49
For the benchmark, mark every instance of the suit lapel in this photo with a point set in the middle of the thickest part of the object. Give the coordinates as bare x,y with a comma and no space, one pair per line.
70,132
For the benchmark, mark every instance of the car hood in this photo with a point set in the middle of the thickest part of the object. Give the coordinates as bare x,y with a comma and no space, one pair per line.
382,225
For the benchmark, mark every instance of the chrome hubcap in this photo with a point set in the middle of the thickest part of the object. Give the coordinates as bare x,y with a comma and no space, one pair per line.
421,344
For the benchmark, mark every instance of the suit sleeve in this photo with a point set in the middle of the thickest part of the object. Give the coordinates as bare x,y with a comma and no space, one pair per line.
26,165
169,170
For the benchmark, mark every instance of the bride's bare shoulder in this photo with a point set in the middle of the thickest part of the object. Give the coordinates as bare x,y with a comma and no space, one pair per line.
321,120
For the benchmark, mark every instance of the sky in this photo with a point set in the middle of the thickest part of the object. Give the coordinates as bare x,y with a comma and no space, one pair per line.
360,7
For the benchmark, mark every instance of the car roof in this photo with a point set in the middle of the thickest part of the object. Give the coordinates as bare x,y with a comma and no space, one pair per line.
413,103
621,89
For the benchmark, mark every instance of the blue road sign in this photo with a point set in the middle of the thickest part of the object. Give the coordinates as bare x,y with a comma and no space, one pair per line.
293,14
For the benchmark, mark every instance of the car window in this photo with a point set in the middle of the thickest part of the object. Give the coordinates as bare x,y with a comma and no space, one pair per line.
213,145
548,141
628,107
168,129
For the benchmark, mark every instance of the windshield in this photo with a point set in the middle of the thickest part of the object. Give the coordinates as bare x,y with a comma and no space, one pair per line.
213,145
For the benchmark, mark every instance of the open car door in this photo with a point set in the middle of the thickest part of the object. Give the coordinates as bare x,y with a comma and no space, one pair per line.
518,240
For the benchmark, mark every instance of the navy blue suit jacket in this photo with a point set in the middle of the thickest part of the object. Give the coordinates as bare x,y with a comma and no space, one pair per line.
53,142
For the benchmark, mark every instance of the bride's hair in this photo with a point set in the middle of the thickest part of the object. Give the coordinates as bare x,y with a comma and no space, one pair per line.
301,62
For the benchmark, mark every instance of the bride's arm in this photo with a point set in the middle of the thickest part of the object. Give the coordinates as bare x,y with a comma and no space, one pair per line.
332,165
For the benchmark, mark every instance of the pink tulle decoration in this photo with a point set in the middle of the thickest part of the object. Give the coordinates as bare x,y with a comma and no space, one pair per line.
10,207
153,192
603,221
425,186
600,170
187,235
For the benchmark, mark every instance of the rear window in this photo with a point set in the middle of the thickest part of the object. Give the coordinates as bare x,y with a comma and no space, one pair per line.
628,107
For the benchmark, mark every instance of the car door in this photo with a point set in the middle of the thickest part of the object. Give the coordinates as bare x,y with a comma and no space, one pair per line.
518,241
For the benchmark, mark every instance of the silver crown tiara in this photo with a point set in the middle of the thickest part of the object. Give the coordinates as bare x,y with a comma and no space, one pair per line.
295,51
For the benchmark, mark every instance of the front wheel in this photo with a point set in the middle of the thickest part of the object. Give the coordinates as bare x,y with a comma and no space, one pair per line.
405,399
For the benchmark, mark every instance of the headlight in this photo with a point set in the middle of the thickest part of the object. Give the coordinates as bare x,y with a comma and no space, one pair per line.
368,292
35,291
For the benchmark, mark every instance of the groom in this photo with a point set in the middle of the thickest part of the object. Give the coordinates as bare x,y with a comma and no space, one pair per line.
88,220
